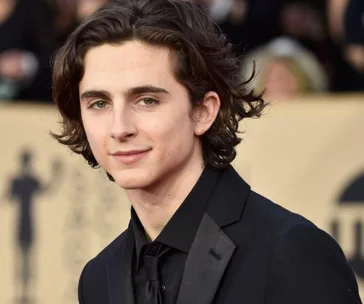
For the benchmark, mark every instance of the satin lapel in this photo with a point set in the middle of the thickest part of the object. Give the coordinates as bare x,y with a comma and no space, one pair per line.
120,272
208,258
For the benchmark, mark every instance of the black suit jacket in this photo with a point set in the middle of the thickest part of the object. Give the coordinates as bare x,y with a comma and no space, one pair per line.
246,250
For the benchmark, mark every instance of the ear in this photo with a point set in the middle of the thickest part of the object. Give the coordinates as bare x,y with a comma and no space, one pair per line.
204,115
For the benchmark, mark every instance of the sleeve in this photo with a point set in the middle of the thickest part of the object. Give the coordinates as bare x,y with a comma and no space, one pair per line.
308,266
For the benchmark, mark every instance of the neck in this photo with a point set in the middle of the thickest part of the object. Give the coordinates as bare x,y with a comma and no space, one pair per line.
156,206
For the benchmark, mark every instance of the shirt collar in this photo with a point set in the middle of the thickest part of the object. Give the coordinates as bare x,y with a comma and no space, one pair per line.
181,229
139,235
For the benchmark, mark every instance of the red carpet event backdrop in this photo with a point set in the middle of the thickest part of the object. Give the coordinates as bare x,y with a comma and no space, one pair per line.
56,212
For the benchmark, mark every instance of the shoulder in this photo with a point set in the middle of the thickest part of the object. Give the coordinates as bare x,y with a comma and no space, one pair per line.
272,218
258,219
97,264
308,264
233,194
305,264
300,263
109,250
290,235
94,272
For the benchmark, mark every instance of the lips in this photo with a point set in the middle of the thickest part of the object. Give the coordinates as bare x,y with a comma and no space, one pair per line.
129,157
125,153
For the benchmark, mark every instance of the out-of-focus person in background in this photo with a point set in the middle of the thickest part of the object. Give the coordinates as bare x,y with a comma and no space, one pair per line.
247,23
354,39
70,13
65,18
304,21
250,24
26,44
285,69
30,32
335,17
87,7
345,24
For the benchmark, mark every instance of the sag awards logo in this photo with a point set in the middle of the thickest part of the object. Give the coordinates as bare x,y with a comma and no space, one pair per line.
353,196
92,212
23,187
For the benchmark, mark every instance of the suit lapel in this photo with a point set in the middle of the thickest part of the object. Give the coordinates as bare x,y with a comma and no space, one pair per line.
212,249
119,269
208,258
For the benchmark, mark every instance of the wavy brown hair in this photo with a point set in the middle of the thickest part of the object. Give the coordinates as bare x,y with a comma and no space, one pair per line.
205,61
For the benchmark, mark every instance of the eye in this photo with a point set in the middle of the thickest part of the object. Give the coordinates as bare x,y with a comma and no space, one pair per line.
99,104
147,101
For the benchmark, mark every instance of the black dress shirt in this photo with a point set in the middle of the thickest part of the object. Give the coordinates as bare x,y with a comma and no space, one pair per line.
177,235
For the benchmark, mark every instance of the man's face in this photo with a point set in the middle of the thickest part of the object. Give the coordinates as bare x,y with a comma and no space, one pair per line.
355,55
86,8
137,117
280,82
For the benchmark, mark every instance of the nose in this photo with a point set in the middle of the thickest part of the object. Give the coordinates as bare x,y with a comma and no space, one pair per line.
123,125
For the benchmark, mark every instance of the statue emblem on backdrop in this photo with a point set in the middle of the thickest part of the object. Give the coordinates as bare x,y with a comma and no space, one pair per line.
23,188
353,196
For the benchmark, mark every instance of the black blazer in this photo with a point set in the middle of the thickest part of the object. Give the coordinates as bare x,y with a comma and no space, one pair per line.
246,250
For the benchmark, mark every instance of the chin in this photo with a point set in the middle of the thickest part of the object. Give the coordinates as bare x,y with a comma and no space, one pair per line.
132,179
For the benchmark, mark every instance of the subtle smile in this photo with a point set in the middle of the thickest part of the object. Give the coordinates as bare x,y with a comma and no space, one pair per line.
129,157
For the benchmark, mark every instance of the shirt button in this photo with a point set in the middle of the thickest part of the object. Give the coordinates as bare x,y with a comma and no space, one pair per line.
163,287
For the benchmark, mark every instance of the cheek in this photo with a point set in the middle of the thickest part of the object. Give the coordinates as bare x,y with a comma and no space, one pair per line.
175,135
96,140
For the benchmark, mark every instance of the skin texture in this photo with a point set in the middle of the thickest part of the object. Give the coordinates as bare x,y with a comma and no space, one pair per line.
131,101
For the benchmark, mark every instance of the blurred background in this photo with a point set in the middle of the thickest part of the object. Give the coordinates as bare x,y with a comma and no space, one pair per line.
306,153
300,46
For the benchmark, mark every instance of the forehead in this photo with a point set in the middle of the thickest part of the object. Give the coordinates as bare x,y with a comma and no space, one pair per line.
133,63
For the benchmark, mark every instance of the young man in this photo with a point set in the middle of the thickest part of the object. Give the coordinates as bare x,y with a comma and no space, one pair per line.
151,91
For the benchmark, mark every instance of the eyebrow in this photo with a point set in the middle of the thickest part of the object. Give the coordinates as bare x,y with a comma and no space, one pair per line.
146,89
131,92
94,94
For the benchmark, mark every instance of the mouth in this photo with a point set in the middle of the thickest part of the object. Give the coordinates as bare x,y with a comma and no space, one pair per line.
129,157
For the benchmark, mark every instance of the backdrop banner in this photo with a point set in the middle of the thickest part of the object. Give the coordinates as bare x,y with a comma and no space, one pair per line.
56,212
